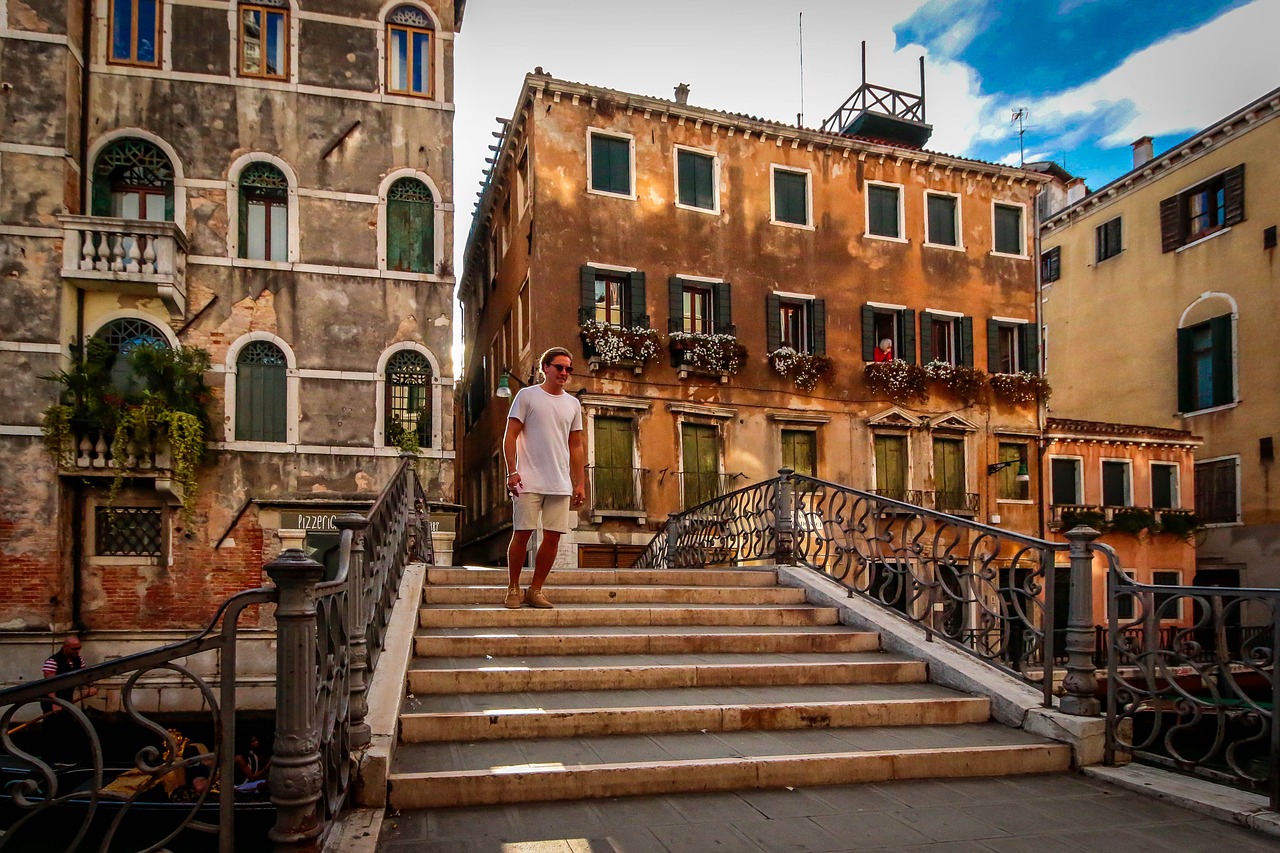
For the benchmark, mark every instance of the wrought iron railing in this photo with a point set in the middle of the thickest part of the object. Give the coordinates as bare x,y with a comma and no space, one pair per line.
328,635
1200,697
615,489
701,486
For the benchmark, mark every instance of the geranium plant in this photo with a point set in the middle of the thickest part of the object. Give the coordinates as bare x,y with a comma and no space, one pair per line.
965,382
712,353
1020,387
804,369
897,380
609,344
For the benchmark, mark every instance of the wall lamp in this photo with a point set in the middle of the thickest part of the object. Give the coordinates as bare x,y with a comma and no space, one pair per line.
504,385
1022,477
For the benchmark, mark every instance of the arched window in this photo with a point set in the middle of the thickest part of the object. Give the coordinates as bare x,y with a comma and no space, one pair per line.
261,393
133,179
408,382
411,217
264,39
410,34
122,337
264,213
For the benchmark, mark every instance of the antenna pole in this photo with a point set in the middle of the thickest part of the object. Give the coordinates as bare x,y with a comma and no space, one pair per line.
864,62
800,117
922,118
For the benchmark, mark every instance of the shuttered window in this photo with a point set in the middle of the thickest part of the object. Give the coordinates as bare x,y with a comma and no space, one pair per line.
1066,482
796,323
261,393
614,476
411,225
695,179
883,217
1051,264
1012,347
1206,370
948,474
942,220
947,339
790,197
700,454
800,451
1008,487
891,466
1008,229
702,308
1203,209
1107,237
888,334
616,298
1216,501
610,164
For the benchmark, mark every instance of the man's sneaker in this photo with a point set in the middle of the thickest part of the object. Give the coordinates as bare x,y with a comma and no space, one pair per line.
513,598
536,598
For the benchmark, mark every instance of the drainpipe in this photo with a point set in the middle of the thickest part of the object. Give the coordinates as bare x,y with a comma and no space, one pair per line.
1041,445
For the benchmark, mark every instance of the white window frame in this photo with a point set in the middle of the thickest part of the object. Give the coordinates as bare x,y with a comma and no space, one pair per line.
774,168
631,146
954,317
1176,498
1015,324
1022,230
896,310
1079,460
438,225
902,213
714,210
294,238
1128,486
439,37
959,221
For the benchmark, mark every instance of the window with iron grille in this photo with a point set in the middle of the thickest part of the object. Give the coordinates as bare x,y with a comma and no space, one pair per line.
261,393
133,179
411,218
123,336
129,531
408,381
264,213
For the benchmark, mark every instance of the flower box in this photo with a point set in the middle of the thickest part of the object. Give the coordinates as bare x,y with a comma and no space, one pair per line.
804,369
607,345
712,355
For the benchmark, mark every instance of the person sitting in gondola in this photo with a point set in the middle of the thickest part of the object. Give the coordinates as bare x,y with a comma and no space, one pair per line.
251,768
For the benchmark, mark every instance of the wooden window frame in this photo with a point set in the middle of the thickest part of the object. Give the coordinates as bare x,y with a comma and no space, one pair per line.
1022,229
265,11
958,245
410,32
133,36
1051,265
902,225
703,290
614,281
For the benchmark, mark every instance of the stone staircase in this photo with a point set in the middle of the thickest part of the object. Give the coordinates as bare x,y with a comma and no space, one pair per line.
658,681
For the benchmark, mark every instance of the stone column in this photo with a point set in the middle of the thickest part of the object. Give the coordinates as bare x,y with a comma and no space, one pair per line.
1081,681
357,622
784,519
295,778
673,539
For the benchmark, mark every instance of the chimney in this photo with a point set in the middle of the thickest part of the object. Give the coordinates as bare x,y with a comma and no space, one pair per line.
1075,190
682,93
1143,150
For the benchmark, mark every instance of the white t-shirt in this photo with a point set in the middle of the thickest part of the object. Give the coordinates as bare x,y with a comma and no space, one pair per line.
542,447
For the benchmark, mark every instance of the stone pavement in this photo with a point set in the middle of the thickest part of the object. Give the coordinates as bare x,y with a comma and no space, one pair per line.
1037,814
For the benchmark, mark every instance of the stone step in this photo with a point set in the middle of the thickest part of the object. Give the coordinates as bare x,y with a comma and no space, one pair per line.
629,712
435,775
640,639
602,594
585,615
876,669
477,575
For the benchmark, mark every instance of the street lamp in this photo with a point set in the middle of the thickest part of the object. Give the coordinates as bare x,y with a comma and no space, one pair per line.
504,386
1022,476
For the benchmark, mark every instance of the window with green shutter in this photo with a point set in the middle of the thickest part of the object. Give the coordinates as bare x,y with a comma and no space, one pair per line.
948,474
411,227
408,400
610,164
700,454
800,451
1206,368
888,334
891,466
942,220
790,197
695,179
614,476
1008,229
261,393
883,211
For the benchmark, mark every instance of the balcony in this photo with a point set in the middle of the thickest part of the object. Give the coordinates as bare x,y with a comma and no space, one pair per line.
91,456
615,492
1123,519
127,256
701,486
953,503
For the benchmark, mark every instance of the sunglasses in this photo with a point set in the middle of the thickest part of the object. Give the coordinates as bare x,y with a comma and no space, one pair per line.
560,367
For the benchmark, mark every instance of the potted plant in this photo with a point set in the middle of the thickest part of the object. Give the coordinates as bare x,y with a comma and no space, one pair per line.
1020,387
1132,520
1180,522
965,382
715,353
897,380
611,345
1086,517
804,369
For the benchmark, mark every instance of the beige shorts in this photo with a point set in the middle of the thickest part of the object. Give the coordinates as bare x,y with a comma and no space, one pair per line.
554,510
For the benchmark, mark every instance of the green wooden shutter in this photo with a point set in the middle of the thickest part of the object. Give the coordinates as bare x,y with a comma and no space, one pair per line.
907,334
772,321
675,304
260,402
1223,372
620,166
422,235
243,228
948,472
869,333
704,182
587,285
614,457
723,308
966,341
686,184
638,318
101,194
993,346
1186,372
1029,334
1172,226
1233,186
891,466
818,325
926,337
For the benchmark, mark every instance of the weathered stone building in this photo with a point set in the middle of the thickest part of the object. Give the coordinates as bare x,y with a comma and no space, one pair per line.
612,222
269,181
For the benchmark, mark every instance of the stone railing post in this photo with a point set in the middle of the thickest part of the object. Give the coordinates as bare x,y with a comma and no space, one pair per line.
357,622
784,518
1081,681
295,778
673,540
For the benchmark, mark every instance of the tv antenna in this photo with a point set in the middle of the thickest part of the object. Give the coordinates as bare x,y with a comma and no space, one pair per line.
800,117
1020,115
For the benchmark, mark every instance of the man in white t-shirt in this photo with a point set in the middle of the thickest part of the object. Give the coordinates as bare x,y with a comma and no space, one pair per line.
543,452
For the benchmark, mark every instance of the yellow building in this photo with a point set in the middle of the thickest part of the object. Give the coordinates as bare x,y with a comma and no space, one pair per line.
1161,296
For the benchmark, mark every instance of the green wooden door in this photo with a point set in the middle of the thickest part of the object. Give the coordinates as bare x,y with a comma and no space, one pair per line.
948,473
615,485
799,451
891,466
701,457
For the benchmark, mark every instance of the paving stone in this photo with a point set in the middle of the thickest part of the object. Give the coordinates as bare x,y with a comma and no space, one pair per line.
790,835
701,837
637,811
949,823
779,803
868,830
697,808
